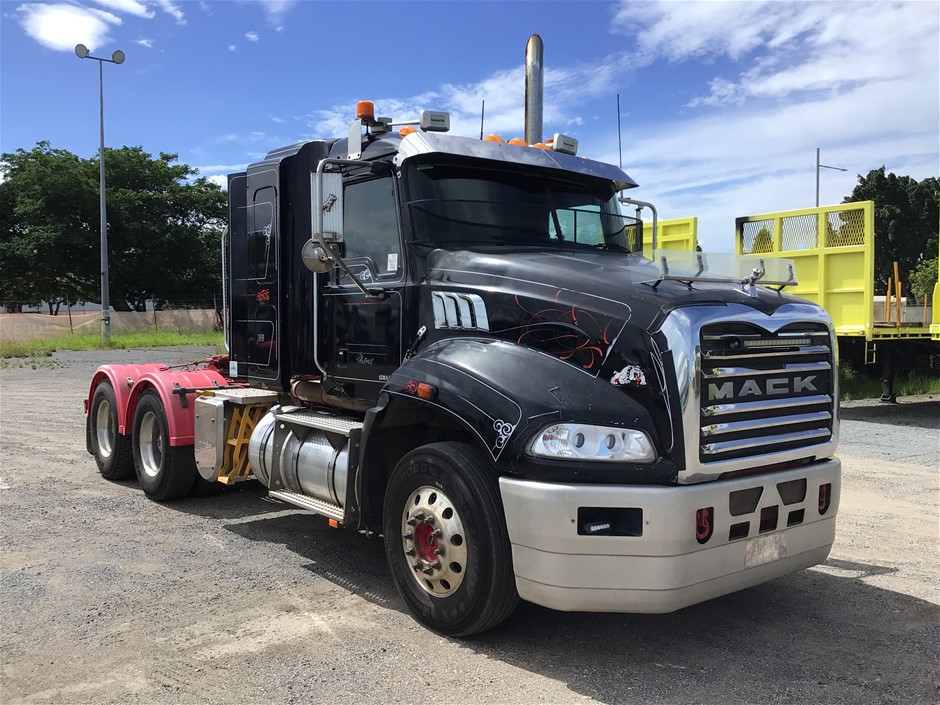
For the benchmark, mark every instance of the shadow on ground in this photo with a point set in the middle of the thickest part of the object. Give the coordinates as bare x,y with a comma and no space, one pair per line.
921,414
809,637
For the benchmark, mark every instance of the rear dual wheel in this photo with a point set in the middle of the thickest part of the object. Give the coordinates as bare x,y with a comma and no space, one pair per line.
446,540
165,472
112,451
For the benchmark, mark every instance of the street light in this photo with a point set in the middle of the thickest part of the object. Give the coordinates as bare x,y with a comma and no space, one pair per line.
823,166
81,51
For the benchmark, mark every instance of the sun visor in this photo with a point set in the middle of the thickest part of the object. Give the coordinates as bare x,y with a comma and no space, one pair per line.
421,143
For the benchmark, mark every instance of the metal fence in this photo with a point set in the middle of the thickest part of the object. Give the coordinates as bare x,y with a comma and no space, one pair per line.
18,327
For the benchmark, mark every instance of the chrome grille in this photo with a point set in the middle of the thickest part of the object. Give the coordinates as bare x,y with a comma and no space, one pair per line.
764,392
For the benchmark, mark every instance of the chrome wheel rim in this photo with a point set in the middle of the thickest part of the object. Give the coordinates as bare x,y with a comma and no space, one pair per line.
434,541
104,431
150,444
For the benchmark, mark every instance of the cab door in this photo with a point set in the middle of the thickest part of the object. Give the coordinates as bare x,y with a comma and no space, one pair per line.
366,333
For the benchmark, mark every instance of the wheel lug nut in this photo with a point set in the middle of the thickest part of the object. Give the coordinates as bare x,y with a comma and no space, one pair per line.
416,565
430,520
439,550
419,516
429,570
412,521
408,535
436,565
437,533
410,552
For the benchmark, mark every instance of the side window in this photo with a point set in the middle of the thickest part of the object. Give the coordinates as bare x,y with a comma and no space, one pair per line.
370,225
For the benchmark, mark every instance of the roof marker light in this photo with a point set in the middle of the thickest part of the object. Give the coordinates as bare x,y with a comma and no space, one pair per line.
405,131
494,138
518,142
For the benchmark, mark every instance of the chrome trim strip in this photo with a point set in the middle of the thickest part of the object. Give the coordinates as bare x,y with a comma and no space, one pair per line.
744,443
782,336
811,350
719,372
752,424
767,405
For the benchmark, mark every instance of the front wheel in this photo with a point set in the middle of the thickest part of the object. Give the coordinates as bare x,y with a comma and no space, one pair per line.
446,540
164,471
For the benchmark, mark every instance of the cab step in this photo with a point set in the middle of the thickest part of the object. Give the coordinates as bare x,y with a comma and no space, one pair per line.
331,511
342,425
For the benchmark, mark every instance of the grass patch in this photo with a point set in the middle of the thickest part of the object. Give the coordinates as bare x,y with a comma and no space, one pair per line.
857,385
44,347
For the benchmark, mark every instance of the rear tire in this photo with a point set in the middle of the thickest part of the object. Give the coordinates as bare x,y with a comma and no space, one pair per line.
446,540
112,451
165,472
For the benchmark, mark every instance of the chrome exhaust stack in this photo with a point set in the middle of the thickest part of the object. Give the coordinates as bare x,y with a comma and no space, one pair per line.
534,89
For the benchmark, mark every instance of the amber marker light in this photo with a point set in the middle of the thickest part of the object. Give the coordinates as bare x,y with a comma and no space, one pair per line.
518,142
494,138
426,391
365,110
405,131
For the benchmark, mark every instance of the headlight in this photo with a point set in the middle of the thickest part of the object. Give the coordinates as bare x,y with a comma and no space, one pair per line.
580,442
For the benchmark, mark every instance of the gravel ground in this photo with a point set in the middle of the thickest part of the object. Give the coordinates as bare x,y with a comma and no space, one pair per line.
106,597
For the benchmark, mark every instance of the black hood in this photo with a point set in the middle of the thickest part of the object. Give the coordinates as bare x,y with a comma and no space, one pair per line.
597,281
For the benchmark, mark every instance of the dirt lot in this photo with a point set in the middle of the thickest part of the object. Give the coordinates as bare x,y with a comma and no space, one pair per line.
106,597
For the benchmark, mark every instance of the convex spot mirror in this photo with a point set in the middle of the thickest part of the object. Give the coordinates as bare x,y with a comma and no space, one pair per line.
316,258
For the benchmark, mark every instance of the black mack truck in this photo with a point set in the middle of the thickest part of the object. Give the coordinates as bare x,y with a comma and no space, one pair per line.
457,344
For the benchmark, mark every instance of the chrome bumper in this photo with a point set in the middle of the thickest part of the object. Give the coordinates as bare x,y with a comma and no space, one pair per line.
666,568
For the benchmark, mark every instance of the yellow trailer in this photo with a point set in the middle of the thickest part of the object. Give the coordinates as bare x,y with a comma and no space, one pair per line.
834,251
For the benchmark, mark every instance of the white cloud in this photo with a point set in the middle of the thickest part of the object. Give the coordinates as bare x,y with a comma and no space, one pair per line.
60,27
129,7
219,180
252,36
566,90
275,10
205,7
860,80
144,42
173,10
219,168
231,47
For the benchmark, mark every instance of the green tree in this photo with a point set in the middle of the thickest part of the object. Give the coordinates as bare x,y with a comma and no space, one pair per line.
906,218
164,224
923,278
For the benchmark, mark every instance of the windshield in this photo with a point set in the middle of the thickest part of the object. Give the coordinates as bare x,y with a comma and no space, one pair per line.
468,204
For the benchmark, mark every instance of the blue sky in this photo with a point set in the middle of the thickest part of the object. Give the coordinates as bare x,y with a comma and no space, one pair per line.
723,104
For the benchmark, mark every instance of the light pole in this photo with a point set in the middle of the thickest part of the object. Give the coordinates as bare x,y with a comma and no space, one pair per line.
823,166
81,51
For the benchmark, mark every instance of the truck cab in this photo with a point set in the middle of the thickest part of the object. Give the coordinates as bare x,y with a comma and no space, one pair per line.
459,345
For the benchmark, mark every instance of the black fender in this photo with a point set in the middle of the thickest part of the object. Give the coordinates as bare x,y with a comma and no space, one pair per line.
499,394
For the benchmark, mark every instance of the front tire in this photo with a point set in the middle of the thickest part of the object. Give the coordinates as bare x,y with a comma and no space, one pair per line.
164,471
446,540
112,451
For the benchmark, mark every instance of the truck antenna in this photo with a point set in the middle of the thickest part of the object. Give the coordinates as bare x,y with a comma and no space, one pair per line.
619,138
482,113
